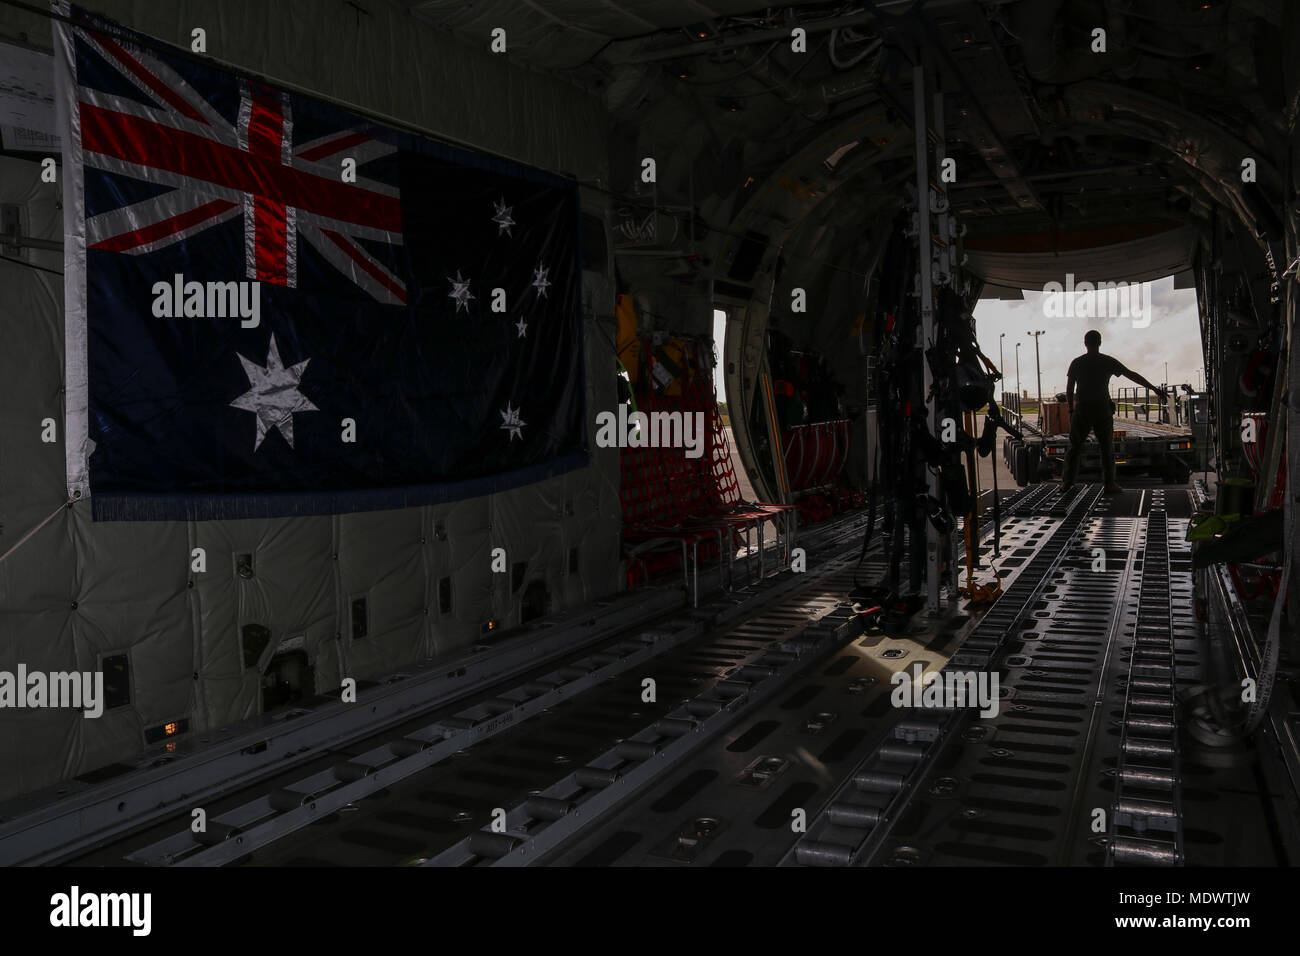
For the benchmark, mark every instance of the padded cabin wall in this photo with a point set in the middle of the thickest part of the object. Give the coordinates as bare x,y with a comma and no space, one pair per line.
593,514
384,61
77,591
39,581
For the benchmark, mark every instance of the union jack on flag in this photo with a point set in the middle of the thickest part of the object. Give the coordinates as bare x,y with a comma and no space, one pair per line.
221,169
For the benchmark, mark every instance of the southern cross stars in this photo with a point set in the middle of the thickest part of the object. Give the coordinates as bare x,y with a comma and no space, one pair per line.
459,291
522,326
540,282
512,423
502,217
273,394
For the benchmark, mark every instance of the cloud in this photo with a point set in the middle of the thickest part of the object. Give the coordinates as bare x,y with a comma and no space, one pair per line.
1174,336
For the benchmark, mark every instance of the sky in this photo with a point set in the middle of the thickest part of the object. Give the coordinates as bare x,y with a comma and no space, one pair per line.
719,330
1173,336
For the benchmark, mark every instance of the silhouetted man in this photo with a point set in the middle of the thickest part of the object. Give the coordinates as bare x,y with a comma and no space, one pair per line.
1094,412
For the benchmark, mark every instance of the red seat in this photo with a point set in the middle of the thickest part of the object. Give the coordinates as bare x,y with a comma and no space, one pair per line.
672,501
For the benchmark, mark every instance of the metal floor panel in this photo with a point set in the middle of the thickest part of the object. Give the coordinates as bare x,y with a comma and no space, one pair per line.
370,830
1020,789
456,798
762,748
732,805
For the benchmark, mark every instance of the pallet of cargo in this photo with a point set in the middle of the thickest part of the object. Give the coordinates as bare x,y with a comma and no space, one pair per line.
1151,448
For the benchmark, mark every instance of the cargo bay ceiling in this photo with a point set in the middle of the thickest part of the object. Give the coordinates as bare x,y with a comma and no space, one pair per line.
1061,151
779,168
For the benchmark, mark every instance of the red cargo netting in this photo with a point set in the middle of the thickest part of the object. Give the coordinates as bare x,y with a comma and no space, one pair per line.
726,488
678,509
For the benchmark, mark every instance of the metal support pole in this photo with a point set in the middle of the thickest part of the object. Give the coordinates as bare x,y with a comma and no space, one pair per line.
926,331
947,276
1038,371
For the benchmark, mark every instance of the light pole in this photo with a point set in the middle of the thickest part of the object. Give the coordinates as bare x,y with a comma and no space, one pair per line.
1039,373
1017,378
1164,407
1002,363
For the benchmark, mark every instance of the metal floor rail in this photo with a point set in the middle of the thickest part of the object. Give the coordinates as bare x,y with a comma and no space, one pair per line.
77,817
83,820
233,832
1146,816
289,807
853,826
1033,785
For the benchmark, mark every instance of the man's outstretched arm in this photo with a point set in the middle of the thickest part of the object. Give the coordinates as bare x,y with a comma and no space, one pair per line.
1129,373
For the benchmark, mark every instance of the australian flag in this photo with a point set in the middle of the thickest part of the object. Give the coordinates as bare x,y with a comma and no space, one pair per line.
276,307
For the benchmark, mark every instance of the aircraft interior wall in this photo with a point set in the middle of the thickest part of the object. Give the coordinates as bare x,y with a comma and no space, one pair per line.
361,595
875,612
366,59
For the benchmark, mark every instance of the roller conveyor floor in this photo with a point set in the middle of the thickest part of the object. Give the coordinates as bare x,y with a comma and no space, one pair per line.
1021,789
765,737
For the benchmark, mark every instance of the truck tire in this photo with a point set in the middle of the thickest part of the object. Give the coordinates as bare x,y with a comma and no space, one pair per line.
1020,470
1033,463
